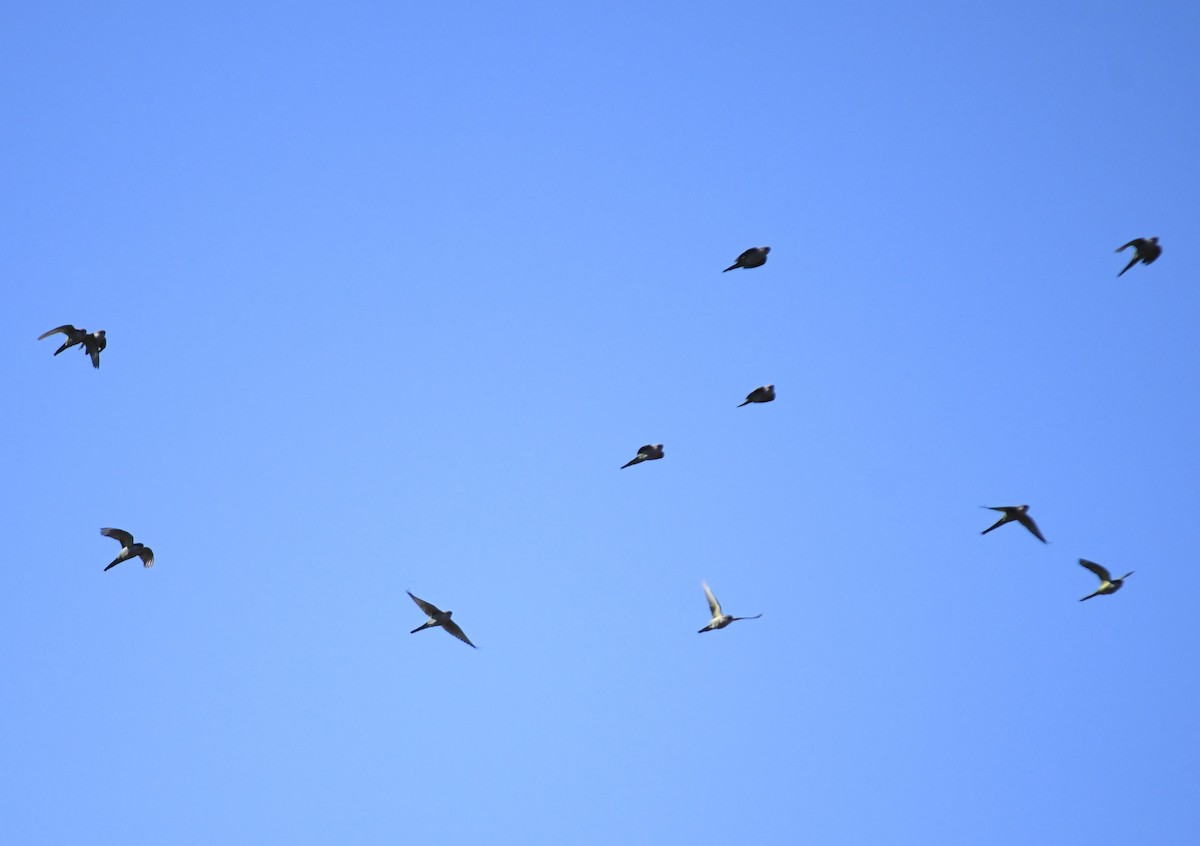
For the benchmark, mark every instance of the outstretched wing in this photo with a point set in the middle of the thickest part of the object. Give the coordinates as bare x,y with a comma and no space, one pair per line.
713,605
1027,521
147,556
429,608
119,535
67,329
1136,243
453,628
1096,568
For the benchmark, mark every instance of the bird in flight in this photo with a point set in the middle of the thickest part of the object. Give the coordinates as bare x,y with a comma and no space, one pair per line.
438,617
1107,583
93,342
1019,513
1145,250
129,549
649,452
753,257
764,394
719,620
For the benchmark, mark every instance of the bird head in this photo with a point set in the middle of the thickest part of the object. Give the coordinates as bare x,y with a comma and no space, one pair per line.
765,249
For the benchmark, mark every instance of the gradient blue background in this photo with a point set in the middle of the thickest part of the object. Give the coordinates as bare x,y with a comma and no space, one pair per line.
392,291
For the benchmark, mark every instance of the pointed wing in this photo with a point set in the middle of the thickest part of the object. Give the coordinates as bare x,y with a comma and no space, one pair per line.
1027,521
1136,243
453,628
1096,568
713,605
147,556
995,525
67,329
429,608
120,535
750,253
94,352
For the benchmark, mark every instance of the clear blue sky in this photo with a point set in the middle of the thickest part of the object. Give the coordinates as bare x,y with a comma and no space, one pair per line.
391,293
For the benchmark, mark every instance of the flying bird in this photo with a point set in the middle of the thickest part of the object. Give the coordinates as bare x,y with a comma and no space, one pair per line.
719,620
753,257
1145,250
764,394
1107,583
649,452
1019,513
129,549
93,342
438,617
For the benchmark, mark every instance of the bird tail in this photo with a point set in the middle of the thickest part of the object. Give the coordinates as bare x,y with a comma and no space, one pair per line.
422,626
114,564
1132,262
731,267
631,463
747,402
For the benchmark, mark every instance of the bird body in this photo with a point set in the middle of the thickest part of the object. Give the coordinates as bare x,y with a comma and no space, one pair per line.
438,617
1018,513
1107,583
753,257
764,394
719,619
649,452
1145,250
129,549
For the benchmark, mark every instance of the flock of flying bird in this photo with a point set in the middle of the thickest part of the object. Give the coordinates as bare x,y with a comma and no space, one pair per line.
1145,250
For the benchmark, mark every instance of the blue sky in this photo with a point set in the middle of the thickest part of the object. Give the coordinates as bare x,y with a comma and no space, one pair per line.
391,293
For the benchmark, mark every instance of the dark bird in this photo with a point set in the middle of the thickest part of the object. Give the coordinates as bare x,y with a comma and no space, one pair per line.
93,342
1019,513
764,394
649,452
719,619
753,257
1145,250
129,549
438,617
1107,583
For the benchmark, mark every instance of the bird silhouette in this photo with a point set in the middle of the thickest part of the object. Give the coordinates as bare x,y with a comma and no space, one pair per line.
1018,513
753,257
1145,250
719,619
1107,583
129,549
93,342
438,617
764,394
650,452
